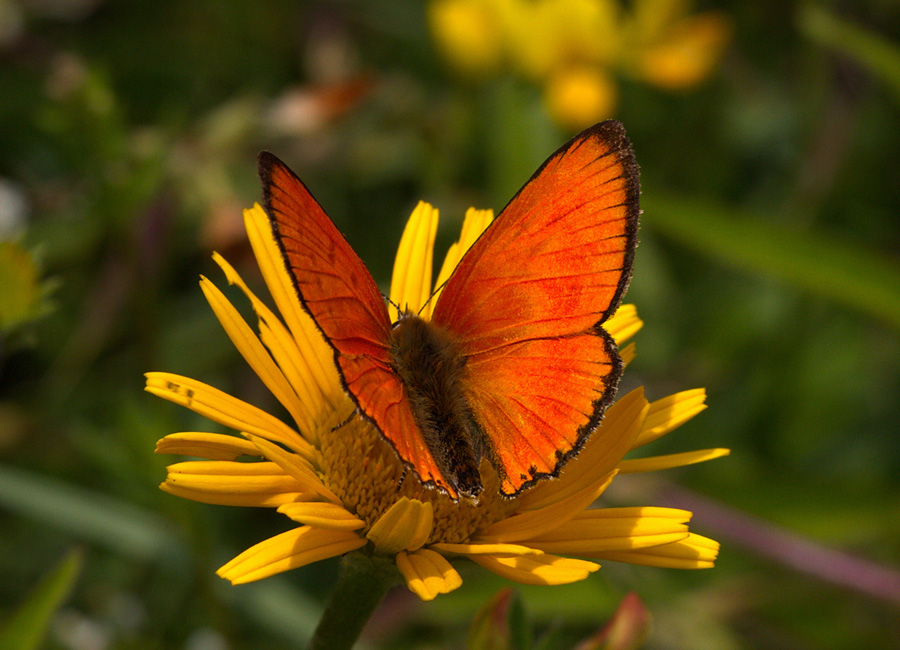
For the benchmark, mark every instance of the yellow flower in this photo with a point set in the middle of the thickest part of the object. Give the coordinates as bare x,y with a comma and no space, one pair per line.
671,49
348,491
580,95
573,47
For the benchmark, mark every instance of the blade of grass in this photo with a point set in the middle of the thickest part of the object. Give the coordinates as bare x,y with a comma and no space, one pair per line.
91,516
833,269
27,626
880,56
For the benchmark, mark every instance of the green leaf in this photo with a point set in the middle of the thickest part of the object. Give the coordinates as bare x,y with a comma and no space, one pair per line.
28,625
879,55
821,265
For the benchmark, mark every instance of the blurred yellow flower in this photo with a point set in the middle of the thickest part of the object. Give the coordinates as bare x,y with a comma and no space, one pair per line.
557,43
348,490
581,95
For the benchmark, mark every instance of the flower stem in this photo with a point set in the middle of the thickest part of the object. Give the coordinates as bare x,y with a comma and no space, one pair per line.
361,586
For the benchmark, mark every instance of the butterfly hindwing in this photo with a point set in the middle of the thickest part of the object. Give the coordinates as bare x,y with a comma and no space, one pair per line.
526,302
338,292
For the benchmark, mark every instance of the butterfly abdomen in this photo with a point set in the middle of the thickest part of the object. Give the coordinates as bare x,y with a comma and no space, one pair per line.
430,366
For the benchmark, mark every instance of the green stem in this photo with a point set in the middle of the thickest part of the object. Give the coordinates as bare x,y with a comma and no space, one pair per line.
362,584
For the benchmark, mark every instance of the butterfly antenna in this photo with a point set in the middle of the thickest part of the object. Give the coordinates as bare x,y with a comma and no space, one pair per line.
431,297
344,423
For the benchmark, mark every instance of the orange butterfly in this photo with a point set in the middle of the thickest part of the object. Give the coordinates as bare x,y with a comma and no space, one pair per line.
514,365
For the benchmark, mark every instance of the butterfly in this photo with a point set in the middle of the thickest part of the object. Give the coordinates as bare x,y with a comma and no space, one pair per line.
514,365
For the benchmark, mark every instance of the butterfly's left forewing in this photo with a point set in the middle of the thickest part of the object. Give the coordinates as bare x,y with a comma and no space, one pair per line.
526,302
338,292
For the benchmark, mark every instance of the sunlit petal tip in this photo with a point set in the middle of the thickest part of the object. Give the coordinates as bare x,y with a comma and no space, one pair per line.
624,324
411,279
427,573
693,552
669,413
406,525
668,461
474,224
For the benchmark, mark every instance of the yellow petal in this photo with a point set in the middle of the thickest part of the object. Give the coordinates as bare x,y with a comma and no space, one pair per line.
537,569
289,550
615,529
291,359
221,407
427,573
627,353
484,549
474,224
253,350
322,515
600,455
656,463
670,413
318,355
405,526
214,446
623,324
537,522
695,552
295,466
261,484
411,280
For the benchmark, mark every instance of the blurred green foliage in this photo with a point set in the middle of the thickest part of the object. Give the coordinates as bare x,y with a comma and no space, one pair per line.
768,272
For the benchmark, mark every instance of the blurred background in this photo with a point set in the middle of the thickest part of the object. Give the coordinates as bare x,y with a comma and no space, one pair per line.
768,135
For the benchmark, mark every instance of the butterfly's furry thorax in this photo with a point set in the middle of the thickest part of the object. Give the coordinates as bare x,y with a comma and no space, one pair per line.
431,368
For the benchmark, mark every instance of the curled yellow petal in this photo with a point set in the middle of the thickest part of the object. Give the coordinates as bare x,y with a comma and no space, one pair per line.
694,552
289,550
427,573
262,484
411,280
668,461
322,515
214,446
405,526
537,569
669,413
